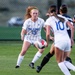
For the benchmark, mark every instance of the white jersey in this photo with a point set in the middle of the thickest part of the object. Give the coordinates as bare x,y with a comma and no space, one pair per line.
59,28
69,19
33,29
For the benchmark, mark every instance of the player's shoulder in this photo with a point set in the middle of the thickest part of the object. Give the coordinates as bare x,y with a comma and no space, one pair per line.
40,19
50,18
27,21
61,16
67,16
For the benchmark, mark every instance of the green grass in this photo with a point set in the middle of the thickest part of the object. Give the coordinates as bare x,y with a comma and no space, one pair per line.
9,52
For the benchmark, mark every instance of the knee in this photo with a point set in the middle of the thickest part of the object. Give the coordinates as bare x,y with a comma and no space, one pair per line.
41,50
22,53
59,60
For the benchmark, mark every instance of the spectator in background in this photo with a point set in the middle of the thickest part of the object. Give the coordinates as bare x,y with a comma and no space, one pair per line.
31,32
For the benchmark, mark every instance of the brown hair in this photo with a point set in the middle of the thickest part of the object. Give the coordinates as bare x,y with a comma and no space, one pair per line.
28,10
53,10
63,9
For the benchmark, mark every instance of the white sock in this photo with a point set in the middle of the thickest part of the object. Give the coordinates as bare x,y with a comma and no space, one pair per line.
19,60
64,68
36,57
69,65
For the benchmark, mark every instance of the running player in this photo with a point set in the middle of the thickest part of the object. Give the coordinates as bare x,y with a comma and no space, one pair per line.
61,43
31,32
63,11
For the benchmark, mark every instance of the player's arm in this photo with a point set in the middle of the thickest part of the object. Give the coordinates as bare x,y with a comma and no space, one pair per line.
72,30
73,20
23,32
44,29
47,33
50,37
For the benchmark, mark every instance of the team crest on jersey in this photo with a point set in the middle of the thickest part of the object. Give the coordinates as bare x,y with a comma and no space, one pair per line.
34,30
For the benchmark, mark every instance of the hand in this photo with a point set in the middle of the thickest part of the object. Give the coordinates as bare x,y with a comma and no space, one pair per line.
46,45
51,38
22,37
74,19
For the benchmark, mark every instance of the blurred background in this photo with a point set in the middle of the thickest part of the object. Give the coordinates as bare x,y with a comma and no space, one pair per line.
12,15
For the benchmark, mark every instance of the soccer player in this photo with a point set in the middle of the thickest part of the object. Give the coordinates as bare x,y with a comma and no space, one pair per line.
63,11
61,43
31,32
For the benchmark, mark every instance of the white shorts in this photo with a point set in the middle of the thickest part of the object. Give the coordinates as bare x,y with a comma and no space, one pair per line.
63,45
31,40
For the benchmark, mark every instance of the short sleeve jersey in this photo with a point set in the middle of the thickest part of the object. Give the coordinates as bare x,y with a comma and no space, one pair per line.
33,28
59,28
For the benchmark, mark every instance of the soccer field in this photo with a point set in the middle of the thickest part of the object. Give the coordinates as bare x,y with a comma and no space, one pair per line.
9,52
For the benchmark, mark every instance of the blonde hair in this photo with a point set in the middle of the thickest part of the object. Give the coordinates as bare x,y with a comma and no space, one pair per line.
28,10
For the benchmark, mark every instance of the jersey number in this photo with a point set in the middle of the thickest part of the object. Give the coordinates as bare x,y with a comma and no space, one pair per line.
59,25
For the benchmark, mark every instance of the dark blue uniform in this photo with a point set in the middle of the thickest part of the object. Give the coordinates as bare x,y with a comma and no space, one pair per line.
70,20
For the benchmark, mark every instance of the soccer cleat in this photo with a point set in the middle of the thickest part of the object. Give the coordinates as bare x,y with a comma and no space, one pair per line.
31,65
38,69
17,66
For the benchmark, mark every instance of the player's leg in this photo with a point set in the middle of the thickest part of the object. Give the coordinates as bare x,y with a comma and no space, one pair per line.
36,57
25,47
46,59
68,56
59,54
68,53
68,64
